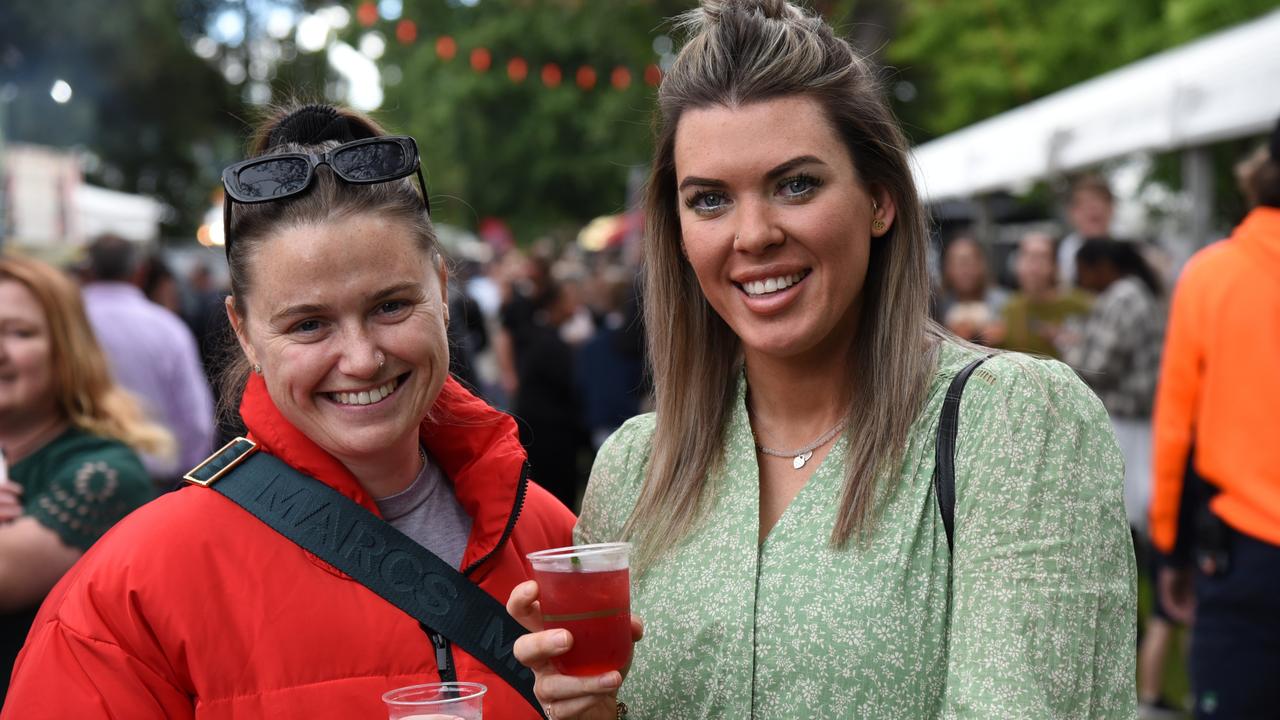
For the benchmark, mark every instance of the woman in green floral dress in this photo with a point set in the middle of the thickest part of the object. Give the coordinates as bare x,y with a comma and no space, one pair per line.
791,560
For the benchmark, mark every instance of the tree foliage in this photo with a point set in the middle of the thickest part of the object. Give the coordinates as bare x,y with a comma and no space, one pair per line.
534,155
142,101
973,59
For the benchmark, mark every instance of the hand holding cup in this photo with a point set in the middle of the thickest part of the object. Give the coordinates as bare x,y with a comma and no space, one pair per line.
578,612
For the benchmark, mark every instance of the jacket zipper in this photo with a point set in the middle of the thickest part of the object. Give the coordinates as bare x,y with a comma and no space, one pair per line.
444,656
443,649
521,489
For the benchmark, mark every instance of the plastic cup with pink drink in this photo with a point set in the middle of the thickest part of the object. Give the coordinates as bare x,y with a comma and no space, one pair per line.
586,589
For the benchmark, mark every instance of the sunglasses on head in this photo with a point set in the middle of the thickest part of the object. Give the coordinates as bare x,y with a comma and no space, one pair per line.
361,162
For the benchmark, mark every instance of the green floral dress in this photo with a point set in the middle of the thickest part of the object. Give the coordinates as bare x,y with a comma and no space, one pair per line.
1034,618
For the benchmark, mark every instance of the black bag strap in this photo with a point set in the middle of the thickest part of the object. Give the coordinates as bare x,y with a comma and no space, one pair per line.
339,531
944,470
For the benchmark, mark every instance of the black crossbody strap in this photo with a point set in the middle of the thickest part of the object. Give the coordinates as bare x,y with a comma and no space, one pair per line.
339,531
944,470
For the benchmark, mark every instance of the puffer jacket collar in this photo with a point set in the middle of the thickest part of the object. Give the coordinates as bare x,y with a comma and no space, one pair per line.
477,447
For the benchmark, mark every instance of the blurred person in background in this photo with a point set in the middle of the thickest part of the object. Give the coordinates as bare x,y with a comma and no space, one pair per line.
206,315
152,354
1038,311
1117,352
969,303
548,405
1215,507
792,559
68,434
525,280
468,331
609,367
1090,207
158,283
339,309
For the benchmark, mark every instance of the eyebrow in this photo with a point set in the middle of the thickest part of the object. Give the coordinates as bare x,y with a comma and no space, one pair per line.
317,309
777,172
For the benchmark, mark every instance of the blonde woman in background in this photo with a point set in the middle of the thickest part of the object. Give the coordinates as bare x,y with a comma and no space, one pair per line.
69,436
1038,312
791,555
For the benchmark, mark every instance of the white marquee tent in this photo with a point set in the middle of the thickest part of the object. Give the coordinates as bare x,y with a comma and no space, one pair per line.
1223,86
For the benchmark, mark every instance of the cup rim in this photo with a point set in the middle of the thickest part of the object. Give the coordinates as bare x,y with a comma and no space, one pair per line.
579,551
477,690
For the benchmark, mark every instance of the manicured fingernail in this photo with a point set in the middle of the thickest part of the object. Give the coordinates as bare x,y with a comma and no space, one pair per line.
610,681
562,639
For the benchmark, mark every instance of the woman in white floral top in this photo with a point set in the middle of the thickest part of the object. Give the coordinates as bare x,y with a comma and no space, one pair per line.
791,560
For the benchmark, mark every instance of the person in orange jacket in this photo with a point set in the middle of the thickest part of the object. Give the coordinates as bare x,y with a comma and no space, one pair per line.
193,607
1217,418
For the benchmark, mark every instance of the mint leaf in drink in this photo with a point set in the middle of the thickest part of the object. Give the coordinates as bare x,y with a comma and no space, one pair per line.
576,562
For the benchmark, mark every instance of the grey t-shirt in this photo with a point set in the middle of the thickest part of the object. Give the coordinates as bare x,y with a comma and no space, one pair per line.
430,513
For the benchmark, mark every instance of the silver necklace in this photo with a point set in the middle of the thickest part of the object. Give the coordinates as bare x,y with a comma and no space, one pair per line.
801,456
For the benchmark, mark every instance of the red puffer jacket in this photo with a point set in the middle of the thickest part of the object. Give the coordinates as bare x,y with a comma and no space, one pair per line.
193,608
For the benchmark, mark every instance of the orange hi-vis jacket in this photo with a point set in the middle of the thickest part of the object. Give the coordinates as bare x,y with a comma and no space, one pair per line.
192,608
1220,384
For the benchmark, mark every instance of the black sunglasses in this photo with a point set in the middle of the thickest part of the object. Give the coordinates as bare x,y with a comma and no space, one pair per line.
361,162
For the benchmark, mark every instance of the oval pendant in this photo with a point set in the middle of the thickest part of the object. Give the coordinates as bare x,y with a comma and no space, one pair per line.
801,459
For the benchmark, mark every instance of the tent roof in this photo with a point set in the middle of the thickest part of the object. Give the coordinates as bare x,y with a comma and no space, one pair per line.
1223,86
133,217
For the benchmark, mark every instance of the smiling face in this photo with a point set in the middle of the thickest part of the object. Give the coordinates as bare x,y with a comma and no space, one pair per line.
329,302
776,223
26,357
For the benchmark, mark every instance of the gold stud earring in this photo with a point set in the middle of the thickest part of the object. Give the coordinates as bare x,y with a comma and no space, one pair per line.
878,225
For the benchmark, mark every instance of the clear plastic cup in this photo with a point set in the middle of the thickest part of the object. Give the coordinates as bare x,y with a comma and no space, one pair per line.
436,701
586,589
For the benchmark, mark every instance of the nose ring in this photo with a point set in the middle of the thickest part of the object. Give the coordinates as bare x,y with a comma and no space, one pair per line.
382,359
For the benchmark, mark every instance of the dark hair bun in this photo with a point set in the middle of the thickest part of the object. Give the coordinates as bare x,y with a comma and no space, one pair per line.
314,124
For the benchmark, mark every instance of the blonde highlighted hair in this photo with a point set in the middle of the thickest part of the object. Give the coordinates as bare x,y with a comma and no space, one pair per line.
741,52
85,393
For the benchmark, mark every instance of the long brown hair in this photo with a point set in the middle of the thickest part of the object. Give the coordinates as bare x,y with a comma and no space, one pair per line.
86,394
741,52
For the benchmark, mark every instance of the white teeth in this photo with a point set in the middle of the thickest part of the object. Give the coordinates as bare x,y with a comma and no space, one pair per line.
364,397
770,285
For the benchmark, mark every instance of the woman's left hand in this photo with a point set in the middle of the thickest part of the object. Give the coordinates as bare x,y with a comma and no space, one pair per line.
10,501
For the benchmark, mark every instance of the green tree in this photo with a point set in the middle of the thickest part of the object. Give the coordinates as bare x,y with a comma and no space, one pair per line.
538,157
154,113
971,60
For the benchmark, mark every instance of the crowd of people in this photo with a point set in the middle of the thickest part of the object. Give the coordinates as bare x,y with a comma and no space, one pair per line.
758,408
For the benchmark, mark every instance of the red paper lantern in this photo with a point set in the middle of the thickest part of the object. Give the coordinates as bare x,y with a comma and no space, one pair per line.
406,32
446,47
367,13
586,77
481,60
551,75
652,75
621,78
517,70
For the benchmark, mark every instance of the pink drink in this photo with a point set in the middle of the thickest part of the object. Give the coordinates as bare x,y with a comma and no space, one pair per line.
595,607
